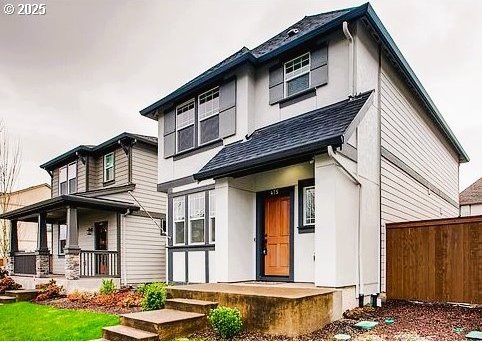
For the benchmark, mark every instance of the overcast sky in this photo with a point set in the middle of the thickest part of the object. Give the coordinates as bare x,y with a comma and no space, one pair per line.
81,73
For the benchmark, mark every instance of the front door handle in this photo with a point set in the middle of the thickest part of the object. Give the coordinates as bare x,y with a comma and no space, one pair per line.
265,243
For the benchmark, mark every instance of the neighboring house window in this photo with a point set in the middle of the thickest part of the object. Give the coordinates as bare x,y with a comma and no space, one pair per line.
185,126
309,206
196,217
212,216
68,179
179,211
109,167
62,238
208,112
297,75
63,185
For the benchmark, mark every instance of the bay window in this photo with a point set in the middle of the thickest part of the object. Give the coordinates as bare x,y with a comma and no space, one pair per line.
212,216
196,217
178,204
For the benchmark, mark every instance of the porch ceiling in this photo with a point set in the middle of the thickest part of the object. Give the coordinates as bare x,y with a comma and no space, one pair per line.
287,142
55,207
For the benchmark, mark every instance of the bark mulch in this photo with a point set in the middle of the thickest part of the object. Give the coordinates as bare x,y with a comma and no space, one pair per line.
413,321
121,302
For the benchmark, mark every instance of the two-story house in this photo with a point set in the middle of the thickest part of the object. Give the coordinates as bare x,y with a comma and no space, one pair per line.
107,219
285,162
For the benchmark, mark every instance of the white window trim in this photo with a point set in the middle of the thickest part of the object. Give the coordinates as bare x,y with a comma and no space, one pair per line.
105,167
175,220
287,79
68,179
59,252
193,100
211,193
304,206
189,235
206,117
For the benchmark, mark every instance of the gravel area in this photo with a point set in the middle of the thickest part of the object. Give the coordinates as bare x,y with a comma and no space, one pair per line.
412,321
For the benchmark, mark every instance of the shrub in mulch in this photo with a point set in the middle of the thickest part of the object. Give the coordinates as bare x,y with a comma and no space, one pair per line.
8,284
3,273
49,290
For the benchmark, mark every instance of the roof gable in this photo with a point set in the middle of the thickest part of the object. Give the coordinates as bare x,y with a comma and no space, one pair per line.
473,194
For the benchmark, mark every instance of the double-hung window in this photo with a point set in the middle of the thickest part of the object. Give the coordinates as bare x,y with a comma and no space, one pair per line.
185,126
208,112
196,217
109,167
179,212
68,179
309,206
297,75
212,216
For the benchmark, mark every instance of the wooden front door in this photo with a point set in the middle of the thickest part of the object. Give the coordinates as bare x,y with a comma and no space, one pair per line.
101,260
277,236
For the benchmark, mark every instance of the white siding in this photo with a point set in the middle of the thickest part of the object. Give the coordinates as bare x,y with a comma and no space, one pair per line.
144,251
407,133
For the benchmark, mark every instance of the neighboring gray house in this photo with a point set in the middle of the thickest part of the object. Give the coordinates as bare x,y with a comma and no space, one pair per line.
286,161
107,217
471,199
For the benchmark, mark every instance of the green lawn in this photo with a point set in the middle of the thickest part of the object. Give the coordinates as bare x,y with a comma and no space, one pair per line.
27,321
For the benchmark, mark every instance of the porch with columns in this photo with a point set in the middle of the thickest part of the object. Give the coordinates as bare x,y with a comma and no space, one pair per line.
68,210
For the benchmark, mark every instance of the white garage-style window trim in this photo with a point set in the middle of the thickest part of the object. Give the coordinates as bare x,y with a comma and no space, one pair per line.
297,75
208,111
178,218
109,164
196,218
68,179
212,216
185,119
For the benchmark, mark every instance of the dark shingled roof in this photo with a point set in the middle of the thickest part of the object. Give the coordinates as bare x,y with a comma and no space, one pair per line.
472,195
299,136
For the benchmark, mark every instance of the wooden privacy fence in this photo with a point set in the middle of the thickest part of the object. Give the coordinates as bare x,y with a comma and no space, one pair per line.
435,260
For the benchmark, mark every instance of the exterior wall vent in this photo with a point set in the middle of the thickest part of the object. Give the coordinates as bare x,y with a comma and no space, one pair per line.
292,32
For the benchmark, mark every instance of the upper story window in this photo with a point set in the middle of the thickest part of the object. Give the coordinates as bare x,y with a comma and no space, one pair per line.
109,167
208,113
68,179
185,126
297,75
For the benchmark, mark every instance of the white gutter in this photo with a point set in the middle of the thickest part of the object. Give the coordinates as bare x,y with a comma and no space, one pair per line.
354,178
351,60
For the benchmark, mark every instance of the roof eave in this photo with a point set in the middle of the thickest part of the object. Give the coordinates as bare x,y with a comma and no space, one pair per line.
251,166
407,70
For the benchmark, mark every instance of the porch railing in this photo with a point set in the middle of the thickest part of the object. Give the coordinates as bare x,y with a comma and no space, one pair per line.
99,264
24,263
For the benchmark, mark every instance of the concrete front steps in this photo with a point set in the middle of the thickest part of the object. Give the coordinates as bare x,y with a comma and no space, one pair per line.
180,318
18,296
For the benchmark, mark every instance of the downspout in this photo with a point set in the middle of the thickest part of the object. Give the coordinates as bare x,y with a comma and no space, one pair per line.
351,60
355,180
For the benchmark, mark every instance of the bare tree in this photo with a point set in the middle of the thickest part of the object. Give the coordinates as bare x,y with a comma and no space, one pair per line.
9,171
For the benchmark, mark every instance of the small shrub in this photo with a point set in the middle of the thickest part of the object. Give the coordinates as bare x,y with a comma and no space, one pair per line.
107,287
3,273
226,322
154,296
80,296
8,284
49,290
141,288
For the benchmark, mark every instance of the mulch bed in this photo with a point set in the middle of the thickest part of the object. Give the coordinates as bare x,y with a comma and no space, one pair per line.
121,302
413,321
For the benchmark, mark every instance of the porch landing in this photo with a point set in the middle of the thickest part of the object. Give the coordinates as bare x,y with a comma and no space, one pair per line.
274,308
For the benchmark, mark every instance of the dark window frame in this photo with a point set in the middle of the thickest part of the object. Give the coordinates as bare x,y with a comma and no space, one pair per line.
302,228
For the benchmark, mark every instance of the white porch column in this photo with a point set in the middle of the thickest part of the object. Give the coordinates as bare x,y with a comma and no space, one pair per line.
336,228
222,234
